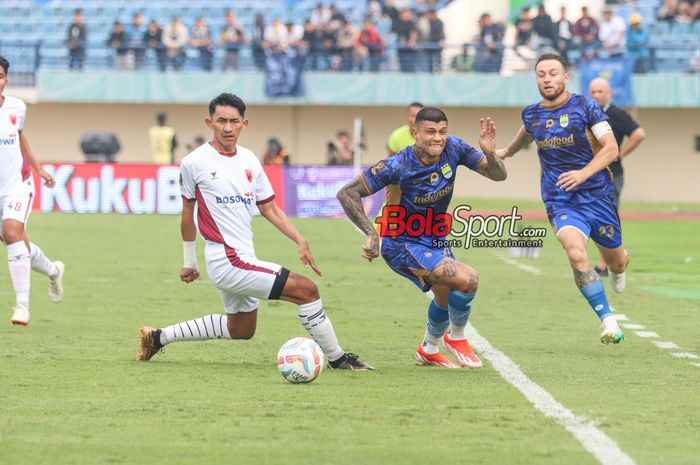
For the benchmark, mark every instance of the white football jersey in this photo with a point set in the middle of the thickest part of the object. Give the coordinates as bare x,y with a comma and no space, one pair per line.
227,188
13,113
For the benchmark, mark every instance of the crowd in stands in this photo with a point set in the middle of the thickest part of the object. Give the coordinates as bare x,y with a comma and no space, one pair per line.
358,40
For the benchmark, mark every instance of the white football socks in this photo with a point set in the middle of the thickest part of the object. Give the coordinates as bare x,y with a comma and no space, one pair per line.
319,326
456,332
212,326
19,263
430,343
41,262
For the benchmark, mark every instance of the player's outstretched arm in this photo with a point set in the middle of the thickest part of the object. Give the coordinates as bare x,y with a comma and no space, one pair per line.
350,197
490,165
521,141
606,155
33,162
189,272
275,215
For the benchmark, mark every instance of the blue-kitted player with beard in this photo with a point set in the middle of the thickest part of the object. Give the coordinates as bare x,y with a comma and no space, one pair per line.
423,177
575,145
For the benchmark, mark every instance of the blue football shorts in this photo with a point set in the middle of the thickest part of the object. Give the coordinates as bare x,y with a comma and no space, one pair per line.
597,220
413,260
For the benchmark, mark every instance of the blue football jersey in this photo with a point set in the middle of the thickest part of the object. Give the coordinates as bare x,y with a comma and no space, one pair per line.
565,143
418,187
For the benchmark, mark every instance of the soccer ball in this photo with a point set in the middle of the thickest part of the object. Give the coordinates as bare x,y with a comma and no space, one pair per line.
300,360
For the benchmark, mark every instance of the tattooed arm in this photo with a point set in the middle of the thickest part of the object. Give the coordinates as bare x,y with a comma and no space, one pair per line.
350,197
490,165
521,141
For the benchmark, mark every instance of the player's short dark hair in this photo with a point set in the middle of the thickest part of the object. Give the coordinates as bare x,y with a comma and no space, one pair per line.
552,56
4,64
431,114
227,99
415,104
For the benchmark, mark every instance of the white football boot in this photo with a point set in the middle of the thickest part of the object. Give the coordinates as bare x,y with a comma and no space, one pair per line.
611,331
20,316
56,284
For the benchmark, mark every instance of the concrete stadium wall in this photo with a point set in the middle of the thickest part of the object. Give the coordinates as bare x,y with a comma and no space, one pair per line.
664,168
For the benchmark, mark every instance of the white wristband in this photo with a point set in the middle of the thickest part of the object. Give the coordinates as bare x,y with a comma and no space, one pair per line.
189,255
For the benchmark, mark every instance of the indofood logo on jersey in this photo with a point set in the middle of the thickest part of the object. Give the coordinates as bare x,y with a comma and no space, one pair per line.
555,142
395,221
435,196
246,198
9,140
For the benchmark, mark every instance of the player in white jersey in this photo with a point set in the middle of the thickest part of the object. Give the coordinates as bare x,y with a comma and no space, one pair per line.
222,183
16,198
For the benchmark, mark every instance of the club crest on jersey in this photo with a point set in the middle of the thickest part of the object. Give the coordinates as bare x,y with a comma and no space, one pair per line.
433,177
564,120
213,175
446,171
549,123
13,119
249,175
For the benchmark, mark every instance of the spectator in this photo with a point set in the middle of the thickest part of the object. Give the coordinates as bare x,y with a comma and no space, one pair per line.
372,43
391,12
258,41
436,41
668,10
295,36
524,27
174,39
76,40
543,26
313,45
232,38
348,36
276,36
407,40
381,21
685,13
198,141
585,32
135,32
153,39
638,44
163,141
490,50
118,41
320,16
463,62
275,154
336,16
201,40
564,34
612,34
696,11
329,36
340,151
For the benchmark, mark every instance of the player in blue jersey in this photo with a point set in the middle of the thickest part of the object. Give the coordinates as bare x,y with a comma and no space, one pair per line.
575,145
425,176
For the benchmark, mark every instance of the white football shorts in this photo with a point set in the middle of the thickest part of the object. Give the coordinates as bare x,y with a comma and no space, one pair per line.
16,204
243,280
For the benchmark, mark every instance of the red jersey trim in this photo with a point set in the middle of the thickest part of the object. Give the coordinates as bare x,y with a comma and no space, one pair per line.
267,200
236,262
207,226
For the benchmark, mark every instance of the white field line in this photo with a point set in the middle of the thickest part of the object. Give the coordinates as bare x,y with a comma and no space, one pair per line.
632,326
646,334
603,448
509,261
684,355
665,345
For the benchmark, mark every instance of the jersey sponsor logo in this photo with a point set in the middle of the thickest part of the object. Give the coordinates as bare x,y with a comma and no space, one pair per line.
433,197
249,175
246,199
555,142
9,140
377,168
564,120
549,123
446,171
213,175
433,177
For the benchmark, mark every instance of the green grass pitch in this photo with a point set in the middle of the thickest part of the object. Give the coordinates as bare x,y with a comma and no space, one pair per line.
72,393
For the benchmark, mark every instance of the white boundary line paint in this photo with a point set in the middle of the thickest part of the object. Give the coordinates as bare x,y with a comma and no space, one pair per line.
646,334
696,364
510,261
666,345
603,448
632,326
619,316
684,355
